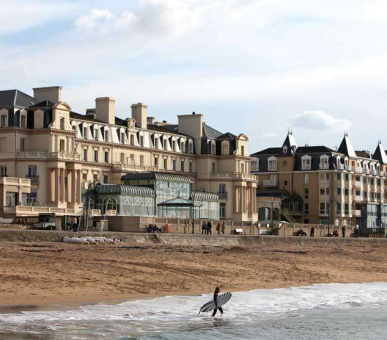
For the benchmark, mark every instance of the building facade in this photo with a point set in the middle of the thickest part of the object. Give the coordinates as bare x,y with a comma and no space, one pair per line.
321,185
60,153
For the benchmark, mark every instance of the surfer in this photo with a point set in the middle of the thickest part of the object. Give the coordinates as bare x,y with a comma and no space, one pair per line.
216,293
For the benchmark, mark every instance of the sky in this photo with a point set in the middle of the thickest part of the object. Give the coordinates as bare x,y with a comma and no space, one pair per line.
259,67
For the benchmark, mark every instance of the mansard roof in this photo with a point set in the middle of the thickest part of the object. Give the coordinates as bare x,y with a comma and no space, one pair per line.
380,154
346,147
227,135
43,104
363,154
209,132
16,98
268,151
314,149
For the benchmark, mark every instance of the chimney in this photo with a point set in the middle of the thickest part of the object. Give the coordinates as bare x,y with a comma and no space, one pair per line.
191,125
52,93
105,109
139,114
151,120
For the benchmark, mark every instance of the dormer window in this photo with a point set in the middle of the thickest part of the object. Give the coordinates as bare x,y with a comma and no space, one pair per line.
272,163
254,164
324,162
213,148
285,149
306,162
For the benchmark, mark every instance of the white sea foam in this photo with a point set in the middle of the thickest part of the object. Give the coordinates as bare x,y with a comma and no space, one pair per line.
174,314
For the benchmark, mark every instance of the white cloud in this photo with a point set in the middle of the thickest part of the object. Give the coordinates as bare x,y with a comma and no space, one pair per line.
320,121
95,18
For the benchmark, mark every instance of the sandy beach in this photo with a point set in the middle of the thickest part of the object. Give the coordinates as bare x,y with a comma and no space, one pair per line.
49,273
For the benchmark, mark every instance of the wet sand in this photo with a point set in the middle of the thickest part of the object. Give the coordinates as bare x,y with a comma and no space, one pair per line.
33,275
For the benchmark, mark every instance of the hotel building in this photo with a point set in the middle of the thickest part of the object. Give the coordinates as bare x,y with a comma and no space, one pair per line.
50,155
319,185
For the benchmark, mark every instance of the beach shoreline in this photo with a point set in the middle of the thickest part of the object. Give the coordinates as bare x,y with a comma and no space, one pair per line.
52,275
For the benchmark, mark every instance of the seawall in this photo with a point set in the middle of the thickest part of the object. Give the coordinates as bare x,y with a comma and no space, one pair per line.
186,239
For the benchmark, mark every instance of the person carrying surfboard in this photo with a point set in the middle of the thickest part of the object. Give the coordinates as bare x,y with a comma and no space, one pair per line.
216,293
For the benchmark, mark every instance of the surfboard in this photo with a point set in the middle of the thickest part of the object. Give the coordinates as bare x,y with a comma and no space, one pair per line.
210,305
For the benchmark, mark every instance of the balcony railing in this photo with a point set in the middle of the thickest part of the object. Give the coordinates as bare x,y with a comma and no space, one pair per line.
269,183
223,195
33,179
324,166
15,181
46,155
357,213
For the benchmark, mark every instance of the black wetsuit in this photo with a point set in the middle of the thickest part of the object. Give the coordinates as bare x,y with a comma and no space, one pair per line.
216,305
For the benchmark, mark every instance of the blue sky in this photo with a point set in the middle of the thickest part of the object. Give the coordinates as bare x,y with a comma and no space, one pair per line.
254,66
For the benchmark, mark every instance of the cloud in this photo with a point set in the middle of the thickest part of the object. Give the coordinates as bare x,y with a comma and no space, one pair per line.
167,18
320,121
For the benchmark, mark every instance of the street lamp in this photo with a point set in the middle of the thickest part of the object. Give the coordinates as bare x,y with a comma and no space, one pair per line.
193,208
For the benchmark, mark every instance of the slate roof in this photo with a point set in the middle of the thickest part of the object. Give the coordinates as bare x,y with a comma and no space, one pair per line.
227,135
268,151
313,149
380,154
346,147
45,103
12,98
209,132
289,141
363,154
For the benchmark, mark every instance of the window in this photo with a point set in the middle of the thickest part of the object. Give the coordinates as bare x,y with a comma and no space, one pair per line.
165,164
306,208
378,182
242,150
165,141
213,167
324,162
62,123
182,165
62,145
222,188
372,181
3,171
85,132
156,163
190,147
182,146
306,162
142,160
222,210
106,156
156,143
284,163
347,177
272,164
95,155
105,179
306,179
339,208
346,206
23,121
322,208
327,191
174,164
358,193
142,140
338,177
85,154
106,137
190,167
225,149
322,191
3,120
213,148
33,198
365,180
339,191
32,171
131,139
174,145
285,182
346,192
327,176
96,134
22,144
306,193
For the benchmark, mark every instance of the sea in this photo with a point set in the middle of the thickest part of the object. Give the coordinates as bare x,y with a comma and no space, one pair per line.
321,311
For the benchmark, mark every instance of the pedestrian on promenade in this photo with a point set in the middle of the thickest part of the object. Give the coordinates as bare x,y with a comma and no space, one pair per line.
204,227
218,227
312,232
343,230
209,228
223,228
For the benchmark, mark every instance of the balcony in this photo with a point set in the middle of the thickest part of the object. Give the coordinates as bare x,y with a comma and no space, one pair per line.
39,154
230,175
223,195
306,167
15,181
269,183
358,198
33,179
324,166
119,167
26,210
